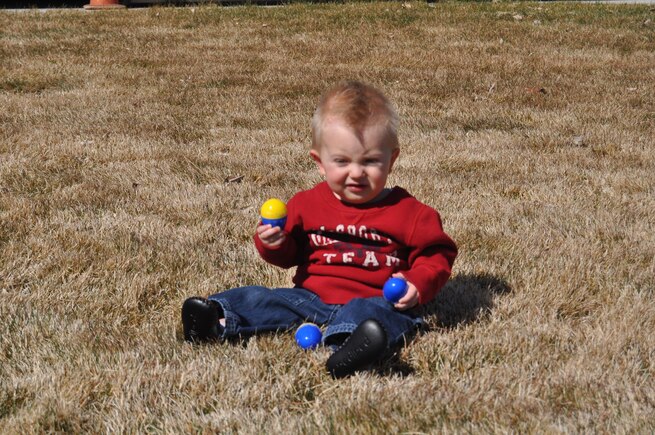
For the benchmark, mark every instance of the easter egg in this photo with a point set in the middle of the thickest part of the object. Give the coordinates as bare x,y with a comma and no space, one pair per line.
394,289
308,336
274,213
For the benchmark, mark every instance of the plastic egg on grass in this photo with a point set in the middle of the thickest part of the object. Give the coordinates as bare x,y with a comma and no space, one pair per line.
308,336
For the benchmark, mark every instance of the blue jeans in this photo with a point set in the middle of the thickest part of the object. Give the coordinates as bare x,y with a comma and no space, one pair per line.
253,309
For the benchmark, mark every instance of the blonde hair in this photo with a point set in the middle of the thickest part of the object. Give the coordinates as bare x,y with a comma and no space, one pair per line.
360,106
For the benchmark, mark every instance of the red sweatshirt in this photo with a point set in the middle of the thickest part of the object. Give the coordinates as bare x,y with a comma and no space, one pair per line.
346,251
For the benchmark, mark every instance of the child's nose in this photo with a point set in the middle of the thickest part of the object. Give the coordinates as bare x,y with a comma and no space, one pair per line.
356,171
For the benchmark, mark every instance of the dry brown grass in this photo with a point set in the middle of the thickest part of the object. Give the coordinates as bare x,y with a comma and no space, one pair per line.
118,131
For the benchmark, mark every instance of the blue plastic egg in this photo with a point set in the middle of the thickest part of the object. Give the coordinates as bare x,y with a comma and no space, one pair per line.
308,336
394,289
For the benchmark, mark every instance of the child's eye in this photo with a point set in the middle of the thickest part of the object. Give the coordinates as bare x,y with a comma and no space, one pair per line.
372,161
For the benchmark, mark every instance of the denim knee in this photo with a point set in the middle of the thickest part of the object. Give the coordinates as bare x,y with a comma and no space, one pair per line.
253,309
398,324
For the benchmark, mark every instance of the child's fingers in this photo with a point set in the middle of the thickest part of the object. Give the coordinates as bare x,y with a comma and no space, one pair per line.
402,306
266,231
271,236
409,300
275,241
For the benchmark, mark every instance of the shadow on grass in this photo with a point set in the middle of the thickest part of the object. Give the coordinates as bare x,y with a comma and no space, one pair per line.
462,300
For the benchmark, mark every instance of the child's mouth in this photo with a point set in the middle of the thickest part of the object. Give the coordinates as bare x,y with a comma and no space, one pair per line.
356,187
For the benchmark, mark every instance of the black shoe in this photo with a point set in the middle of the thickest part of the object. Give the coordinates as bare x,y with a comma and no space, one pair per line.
200,320
366,345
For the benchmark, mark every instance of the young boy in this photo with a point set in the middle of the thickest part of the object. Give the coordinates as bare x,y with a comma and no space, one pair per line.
346,236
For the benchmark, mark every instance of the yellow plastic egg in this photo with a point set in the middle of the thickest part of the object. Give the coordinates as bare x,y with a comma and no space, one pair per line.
274,212
273,209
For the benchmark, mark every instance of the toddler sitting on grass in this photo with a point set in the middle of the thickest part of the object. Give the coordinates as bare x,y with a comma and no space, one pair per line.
346,236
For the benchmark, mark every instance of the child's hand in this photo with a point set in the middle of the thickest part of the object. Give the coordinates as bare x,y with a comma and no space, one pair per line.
271,237
410,299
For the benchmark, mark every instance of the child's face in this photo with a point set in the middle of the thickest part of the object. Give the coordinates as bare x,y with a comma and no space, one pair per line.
356,169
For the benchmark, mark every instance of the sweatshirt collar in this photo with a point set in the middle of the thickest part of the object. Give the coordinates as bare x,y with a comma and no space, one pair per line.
392,197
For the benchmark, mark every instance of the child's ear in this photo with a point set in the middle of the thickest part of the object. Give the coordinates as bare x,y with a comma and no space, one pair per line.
394,155
317,158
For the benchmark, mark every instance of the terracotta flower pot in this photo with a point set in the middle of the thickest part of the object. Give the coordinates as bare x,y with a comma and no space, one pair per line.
104,4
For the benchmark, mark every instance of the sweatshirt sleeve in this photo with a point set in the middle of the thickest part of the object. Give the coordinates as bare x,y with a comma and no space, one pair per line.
432,256
283,256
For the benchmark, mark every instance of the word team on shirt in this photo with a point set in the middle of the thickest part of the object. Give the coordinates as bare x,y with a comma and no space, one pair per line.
355,250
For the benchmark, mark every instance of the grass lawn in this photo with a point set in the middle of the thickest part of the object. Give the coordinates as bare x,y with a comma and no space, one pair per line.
137,145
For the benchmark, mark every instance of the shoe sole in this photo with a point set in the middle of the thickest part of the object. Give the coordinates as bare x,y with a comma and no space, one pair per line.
366,345
200,320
